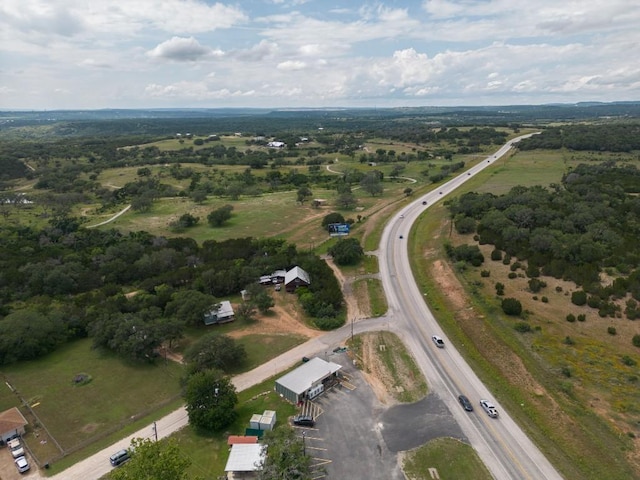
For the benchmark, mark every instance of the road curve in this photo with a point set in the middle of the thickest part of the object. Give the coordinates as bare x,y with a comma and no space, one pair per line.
501,444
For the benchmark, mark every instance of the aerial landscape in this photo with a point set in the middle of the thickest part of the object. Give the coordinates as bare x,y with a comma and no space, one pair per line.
286,239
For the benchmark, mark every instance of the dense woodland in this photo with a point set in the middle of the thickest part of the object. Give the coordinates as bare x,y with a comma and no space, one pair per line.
618,137
575,230
66,282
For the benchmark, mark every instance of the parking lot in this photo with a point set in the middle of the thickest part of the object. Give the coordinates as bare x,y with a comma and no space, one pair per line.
356,436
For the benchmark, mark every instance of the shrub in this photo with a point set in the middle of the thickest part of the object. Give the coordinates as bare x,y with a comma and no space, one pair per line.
628,361
533,271
582,317
569,341
636,340
579,297
566,371
496,254
594,302
465,225
512,307
571,318
485,273
507,259
535,285
499,289
558,288
522,327
611,330
515,266
545,300
512,275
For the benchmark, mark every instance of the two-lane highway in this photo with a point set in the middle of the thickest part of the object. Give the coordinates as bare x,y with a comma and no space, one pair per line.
502,445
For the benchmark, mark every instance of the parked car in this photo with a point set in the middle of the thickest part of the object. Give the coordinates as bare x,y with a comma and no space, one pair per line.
21,464
438,341
466,404
489,408
16,448
304,421
119,458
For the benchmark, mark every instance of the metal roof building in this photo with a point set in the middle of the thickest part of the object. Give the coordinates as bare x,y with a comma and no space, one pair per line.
244,460
296,385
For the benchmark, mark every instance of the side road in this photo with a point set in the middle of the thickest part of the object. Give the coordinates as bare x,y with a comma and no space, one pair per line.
97,465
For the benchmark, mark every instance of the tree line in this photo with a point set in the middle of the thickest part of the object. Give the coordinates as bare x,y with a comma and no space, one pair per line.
573,230
130,293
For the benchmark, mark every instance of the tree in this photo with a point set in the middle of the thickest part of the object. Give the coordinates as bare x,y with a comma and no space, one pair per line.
217,217
215,351
333,217
304,193
210,400
161,460
260,297
579,297
511,306
372,183
347,251
286,456
346,200
189,306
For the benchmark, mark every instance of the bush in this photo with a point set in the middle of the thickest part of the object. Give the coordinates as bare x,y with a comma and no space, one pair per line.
636,340
533,271
512,307
558,288
569,341
485,273
579,297
566,371
522,327
545,300
507,259
611,330
535,285
571,318
499,289
515,266
582,317
496,254
328,323
628,361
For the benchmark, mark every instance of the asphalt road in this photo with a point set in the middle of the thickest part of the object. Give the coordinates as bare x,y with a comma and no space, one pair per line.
501,444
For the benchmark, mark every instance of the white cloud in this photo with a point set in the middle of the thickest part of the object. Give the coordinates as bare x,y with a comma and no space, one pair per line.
291,65
182,49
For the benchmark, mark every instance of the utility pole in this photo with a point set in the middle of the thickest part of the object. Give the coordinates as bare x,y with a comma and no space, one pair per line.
304,445
351,332
155,430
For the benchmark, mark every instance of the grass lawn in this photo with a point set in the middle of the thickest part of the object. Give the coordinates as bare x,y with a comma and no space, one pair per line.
451,459
75,414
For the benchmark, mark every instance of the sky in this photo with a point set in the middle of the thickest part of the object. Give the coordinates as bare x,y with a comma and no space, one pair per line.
91,54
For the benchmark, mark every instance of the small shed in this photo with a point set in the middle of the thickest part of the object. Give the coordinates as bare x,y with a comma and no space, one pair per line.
12,423
244,461
254,422
299,384
294,278
220,313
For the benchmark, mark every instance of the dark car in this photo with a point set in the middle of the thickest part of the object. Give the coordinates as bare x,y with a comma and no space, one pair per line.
424,202
304,421
466,404
119,458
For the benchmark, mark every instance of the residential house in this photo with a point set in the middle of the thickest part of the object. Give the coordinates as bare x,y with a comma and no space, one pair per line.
294,278
220,313
12,423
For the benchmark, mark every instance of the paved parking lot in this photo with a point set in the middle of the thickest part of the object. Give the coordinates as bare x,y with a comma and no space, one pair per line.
357,437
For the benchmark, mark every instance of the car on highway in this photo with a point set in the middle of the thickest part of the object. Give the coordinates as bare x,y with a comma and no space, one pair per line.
424,202
466,404
401,237
438,341
16,448
304,421
21,464
489,408
401,215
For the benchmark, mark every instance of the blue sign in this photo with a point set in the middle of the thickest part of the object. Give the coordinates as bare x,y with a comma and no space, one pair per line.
338,229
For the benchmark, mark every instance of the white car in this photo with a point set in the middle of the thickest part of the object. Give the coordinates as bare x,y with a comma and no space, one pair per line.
16,448
21,464
438,341
489,408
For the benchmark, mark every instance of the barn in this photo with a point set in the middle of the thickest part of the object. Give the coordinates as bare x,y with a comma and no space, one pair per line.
294,278
307,380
